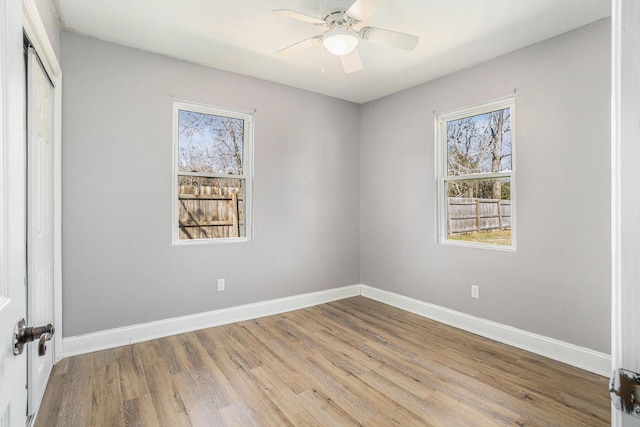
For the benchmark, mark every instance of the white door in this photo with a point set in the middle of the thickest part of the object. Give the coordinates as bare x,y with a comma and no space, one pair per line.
13,395
39,222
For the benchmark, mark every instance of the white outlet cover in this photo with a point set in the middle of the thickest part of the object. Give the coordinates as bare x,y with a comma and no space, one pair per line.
475,291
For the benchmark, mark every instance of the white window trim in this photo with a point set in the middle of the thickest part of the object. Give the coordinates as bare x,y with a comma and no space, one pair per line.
247,176
441,170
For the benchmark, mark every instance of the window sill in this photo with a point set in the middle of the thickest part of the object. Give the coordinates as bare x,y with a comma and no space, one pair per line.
501,248
219,241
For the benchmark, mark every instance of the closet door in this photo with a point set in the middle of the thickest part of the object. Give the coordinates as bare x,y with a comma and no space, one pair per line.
39,224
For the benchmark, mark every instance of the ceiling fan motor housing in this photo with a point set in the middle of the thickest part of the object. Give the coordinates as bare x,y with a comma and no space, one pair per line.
334,12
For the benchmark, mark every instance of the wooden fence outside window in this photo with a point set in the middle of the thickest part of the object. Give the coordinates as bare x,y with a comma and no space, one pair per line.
206,212
468,215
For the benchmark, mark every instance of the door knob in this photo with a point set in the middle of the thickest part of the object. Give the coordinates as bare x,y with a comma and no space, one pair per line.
42,347
625,391
24,334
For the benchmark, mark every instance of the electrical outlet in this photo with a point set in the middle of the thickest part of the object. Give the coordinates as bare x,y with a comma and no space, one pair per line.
475,291
220,284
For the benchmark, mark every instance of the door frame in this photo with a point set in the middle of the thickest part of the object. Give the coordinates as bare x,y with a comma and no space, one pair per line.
35,30
625,192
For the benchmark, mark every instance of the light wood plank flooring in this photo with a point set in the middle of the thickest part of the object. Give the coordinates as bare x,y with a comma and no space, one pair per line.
347,363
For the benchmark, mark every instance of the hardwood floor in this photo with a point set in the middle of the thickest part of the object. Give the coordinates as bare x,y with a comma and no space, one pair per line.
349,362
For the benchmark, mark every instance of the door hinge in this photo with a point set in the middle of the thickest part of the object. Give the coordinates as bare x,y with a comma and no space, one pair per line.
625,391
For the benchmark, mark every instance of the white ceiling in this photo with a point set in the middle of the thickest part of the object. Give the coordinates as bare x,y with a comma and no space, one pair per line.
241,36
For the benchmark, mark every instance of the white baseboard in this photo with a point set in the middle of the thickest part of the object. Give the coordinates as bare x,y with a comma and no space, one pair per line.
580,357
117,337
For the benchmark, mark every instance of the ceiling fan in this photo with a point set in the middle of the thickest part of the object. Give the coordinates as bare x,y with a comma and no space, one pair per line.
343,19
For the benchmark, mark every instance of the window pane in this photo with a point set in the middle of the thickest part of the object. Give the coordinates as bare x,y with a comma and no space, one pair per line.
209,143
479,144
479,210
210,207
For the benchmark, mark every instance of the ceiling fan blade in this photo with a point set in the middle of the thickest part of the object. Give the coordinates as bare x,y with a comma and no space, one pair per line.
362,10
389,38
300,16
351,62
297,47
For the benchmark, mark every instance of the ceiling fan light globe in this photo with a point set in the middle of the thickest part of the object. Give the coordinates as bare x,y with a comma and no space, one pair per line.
340,42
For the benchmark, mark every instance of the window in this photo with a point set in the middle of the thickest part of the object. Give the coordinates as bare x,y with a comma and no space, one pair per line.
212,174
476,175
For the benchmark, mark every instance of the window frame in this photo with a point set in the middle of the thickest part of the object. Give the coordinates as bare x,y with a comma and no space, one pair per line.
442,177
246,176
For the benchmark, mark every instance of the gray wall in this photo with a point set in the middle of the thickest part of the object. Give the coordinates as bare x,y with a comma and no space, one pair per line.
119,267
343,194
557,283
